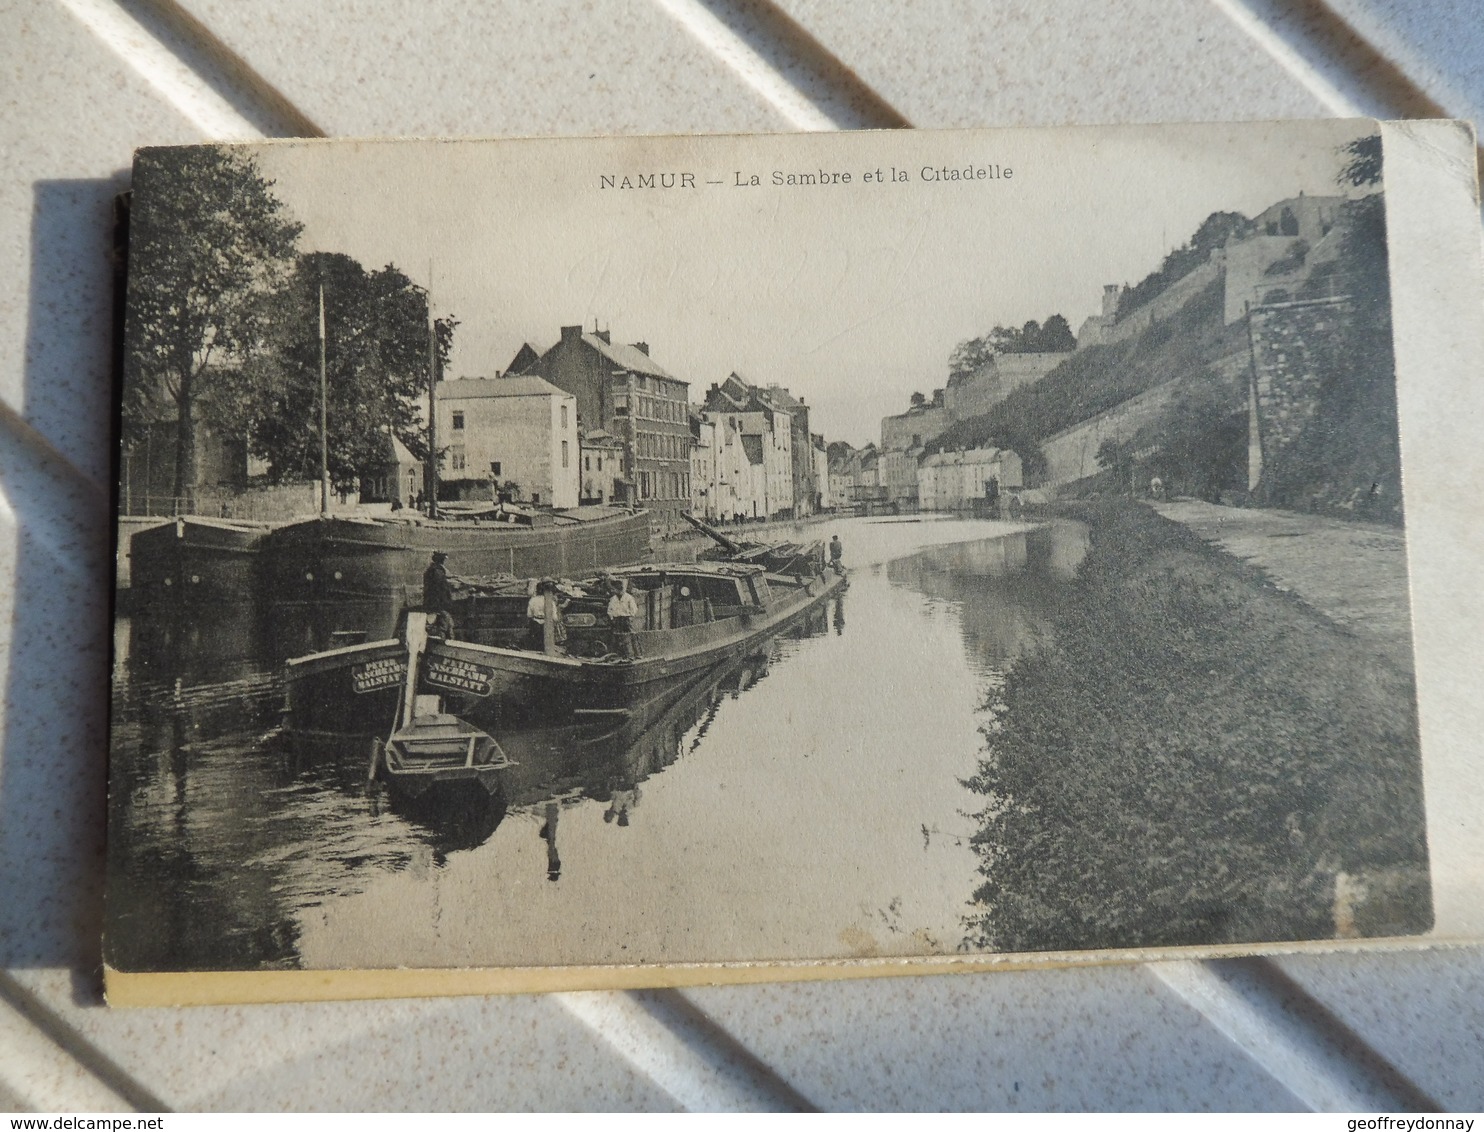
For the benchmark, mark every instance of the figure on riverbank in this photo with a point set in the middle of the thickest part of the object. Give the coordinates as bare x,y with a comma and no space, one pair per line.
837,554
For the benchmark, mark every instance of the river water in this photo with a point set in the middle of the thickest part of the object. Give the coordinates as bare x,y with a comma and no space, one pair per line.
805,802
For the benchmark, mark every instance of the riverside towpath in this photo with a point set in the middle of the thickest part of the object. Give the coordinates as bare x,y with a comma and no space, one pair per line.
1353,573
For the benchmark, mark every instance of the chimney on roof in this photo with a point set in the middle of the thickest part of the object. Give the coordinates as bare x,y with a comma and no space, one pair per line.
571,333
642,347
602,336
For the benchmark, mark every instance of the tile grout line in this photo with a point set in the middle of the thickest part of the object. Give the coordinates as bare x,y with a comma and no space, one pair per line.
1333,61
215,89
762,45
1299,1043
700,1066
681,1014
52,1035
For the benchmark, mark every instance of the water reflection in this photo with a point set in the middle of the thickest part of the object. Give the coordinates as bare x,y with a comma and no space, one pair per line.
677,834
1001,588
225,822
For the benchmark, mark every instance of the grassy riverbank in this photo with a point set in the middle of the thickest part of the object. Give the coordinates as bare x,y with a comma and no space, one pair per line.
1195,757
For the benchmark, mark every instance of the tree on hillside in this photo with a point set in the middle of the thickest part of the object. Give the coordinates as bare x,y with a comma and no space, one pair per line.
1347,458
1199,440
376,334
968,356
1057,336
1053,336
207,235
1111,458
839,450
1213,232
1364,167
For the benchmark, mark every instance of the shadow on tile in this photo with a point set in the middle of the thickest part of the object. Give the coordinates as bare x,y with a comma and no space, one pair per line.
52,771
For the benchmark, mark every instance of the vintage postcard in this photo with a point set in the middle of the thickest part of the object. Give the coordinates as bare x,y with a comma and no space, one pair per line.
569,563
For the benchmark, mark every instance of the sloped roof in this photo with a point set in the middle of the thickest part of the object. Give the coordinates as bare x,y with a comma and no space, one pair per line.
468,387
524,359
779,397
600,438
401,455
628,357
392,451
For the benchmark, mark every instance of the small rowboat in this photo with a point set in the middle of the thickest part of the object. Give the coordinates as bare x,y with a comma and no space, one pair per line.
438,751
429,749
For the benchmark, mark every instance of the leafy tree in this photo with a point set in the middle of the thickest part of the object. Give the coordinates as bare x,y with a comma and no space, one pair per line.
1200,439
968,356
1057,336
1053,336
918,400
1364,166
207,236
839,450
376,331
1214,231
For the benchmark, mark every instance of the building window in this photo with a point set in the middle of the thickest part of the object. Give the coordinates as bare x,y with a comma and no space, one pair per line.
456,458
458,422
587,464
494,467
564,418
564,446
600,463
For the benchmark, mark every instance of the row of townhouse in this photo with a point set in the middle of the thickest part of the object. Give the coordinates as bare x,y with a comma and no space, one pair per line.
588,421
855,476
953,481
591,421
904,479
754,456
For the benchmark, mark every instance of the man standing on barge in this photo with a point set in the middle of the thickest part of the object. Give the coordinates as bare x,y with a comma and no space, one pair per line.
837,554
622,609
438,592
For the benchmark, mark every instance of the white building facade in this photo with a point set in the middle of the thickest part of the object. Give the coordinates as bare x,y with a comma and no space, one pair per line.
519,431
951,481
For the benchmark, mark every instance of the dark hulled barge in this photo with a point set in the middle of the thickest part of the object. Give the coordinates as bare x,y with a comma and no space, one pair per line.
691,619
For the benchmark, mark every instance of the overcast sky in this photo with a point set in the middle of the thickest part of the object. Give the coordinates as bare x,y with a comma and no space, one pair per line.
850,295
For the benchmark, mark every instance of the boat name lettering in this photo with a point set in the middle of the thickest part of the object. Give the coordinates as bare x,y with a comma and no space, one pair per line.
447,672
375,674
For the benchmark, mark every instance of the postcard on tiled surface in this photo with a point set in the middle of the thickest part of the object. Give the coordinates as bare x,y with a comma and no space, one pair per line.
636,561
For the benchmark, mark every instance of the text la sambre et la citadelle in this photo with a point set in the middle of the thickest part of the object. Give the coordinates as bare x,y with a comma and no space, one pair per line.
781,178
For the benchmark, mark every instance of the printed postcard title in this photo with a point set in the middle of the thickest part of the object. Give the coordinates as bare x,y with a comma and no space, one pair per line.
806,178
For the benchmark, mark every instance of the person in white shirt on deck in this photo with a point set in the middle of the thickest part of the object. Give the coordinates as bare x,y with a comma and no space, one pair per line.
622,609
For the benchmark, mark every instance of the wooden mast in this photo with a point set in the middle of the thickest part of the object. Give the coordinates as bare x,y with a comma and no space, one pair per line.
430,477
324,414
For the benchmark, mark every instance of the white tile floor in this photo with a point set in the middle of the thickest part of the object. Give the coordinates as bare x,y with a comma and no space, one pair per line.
86,81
